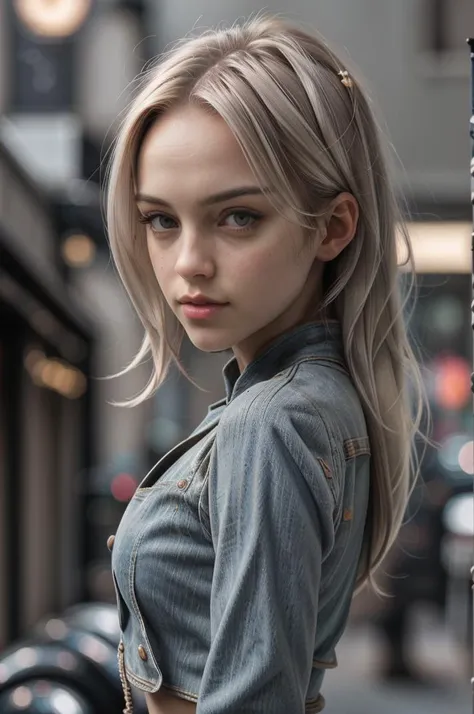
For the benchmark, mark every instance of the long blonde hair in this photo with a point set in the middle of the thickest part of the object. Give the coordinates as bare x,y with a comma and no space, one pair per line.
307,136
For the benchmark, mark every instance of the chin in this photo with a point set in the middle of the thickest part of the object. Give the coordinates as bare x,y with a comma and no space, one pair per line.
209,343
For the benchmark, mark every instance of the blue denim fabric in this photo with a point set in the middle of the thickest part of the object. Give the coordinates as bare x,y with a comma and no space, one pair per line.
235,561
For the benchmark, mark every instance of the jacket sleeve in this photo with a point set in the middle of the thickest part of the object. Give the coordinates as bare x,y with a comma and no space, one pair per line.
271,518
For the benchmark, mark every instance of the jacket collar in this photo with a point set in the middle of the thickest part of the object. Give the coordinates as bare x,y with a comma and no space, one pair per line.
320,339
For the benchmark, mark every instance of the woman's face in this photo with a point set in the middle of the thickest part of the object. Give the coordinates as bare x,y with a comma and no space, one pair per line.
212,235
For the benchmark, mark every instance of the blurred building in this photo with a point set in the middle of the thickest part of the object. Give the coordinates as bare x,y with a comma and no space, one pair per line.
46,350
66,74
414,57
68,459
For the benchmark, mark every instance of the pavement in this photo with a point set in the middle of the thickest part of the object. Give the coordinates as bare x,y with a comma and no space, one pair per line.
356,687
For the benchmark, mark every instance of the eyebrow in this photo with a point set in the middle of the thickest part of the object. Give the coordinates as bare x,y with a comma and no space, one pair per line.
216,198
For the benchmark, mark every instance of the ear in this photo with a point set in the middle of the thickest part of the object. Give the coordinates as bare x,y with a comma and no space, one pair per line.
341,225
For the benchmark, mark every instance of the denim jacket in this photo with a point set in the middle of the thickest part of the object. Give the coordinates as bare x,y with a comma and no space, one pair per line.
235,561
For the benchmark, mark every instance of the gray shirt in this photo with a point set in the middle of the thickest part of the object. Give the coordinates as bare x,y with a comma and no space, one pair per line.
235,561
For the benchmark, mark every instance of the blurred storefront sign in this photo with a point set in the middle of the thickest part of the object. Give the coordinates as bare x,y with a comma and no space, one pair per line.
61,18
439,247
42,41
41,125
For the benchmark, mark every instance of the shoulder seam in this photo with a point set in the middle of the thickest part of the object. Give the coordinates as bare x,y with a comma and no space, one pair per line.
337,455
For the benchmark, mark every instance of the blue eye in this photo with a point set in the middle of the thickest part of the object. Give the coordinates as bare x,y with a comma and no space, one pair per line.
159,222
241,219
162,222
238,220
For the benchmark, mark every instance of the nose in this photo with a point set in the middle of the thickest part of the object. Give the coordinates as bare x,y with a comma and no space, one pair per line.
194,258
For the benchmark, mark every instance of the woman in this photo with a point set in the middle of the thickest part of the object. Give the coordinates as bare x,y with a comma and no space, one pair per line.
249,207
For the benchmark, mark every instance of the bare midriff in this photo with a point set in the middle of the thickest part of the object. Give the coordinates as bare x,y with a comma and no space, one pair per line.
163,702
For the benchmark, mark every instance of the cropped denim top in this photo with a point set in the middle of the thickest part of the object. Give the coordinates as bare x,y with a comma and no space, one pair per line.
235,561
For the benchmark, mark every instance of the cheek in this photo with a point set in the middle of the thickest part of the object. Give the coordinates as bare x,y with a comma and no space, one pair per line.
151,247
273,266
159,266
156,257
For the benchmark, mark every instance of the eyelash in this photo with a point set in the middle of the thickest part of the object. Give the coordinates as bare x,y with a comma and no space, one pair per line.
148,217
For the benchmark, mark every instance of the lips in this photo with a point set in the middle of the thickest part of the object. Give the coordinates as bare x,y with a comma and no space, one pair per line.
201,312
199,300
201,304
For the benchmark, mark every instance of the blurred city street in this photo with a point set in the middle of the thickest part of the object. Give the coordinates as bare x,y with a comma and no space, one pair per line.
355,687
71,460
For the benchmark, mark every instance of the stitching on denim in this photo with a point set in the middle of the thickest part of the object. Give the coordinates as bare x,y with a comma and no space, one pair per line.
337,456
331,439
269,397
202,507
195,463
356,446
132,675
148,489
279,343
160,461
206,451
139,682
198,460
315,358
138,496
192,436
179,691
266,397
337,502
203,452
325,467
133,598
203,497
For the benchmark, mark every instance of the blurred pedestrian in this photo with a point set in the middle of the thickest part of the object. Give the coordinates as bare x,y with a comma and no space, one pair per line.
250,207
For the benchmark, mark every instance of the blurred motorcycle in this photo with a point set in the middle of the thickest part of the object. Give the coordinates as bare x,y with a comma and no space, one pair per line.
40,696
75,657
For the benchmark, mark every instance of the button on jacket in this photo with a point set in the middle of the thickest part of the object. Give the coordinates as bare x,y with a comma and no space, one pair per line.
235,561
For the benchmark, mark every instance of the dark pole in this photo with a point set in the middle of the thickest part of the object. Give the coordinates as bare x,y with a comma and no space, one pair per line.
438,25
471,132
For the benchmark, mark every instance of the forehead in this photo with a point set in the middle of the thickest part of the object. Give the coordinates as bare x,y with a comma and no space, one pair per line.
191,149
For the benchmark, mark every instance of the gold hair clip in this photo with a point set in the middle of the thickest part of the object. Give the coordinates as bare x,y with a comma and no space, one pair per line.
345,78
